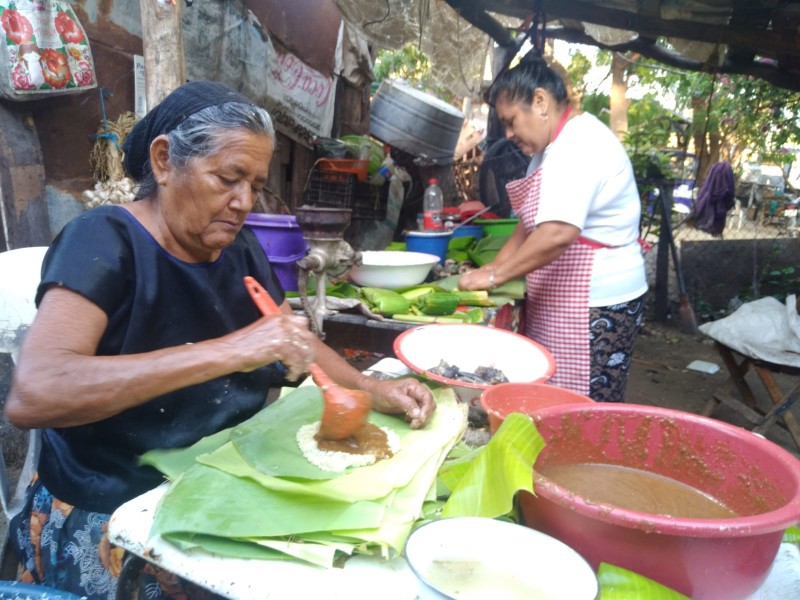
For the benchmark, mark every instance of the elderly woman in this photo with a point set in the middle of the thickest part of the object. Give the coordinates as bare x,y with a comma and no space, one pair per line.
577,239
146,337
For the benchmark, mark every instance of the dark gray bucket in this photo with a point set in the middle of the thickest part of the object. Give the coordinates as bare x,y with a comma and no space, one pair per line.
415,122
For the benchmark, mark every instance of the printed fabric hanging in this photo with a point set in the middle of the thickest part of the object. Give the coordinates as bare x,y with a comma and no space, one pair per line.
44,50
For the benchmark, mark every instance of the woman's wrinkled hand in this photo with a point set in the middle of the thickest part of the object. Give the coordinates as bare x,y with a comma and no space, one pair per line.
284,338
404,396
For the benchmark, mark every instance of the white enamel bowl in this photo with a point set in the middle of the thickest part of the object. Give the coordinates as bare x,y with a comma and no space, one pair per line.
468,558
392,269
471,346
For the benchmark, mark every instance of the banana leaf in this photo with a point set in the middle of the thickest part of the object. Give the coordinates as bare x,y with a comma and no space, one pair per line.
461,242
175,461
255,458
508,292
318,554
457,256
484,251
256,514
792,535
617,583
483,483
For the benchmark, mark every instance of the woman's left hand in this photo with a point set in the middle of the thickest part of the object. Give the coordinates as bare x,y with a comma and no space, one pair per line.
407,395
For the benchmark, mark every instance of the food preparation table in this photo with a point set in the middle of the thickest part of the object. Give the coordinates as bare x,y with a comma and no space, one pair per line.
362,577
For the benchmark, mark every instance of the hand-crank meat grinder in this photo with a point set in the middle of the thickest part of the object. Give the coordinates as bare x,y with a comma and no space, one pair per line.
328,254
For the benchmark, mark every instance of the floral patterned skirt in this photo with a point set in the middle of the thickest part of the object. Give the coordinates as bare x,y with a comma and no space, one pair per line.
612,332
67,548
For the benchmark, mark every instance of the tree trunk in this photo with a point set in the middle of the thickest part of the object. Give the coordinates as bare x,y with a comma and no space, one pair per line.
618,119
162,38
699,106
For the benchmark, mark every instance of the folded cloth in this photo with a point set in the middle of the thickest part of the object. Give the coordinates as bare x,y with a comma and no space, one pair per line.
715,199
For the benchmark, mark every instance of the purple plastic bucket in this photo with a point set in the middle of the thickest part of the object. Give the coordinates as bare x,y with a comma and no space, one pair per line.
279,235
285,268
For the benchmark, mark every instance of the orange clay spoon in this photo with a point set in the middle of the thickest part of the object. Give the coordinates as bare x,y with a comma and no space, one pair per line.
344,410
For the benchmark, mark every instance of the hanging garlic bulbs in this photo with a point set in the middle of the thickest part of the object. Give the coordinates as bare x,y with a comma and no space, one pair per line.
110,192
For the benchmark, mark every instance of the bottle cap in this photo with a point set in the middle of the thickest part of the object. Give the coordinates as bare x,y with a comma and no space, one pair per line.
433,181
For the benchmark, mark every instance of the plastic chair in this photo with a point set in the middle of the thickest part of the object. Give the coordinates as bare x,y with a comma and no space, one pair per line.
20,273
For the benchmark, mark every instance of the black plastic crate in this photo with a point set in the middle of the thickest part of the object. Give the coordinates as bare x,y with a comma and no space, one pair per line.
369,201
330,189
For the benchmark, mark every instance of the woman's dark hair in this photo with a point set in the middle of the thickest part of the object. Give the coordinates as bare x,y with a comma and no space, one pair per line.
198,136
519,83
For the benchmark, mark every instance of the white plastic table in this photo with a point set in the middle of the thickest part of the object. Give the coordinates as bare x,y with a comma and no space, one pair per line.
363,577
245,579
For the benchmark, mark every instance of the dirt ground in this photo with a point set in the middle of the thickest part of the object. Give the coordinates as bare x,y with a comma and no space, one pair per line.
659,377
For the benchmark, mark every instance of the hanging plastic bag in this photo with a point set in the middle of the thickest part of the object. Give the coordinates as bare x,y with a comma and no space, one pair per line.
43,50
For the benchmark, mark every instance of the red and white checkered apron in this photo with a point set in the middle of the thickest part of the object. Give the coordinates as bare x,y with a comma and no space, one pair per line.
557,301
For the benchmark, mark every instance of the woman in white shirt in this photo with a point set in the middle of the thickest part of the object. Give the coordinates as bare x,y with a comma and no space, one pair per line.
577,239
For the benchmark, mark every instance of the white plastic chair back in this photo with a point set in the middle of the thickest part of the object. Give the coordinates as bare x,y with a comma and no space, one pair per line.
20,273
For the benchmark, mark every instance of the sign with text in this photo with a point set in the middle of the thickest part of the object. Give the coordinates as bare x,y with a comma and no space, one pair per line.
300,99
139,87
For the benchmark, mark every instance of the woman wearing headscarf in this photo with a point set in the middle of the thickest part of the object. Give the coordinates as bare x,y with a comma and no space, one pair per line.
146,337
577,239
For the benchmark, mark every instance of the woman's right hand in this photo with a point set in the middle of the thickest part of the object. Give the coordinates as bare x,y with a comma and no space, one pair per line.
284,338
479,279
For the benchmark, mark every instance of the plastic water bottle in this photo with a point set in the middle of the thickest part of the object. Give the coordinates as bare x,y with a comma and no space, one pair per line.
432,205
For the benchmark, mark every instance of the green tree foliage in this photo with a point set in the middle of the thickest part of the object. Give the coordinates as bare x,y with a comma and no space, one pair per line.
732,114
649,123
411,65
596,103
578,68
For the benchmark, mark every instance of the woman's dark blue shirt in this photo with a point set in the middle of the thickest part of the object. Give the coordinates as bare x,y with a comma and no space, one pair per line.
152,301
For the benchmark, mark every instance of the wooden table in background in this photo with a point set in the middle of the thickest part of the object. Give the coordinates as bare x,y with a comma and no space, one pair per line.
738,365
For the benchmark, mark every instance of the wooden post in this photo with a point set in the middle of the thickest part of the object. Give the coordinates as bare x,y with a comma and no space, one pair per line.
619,102
162,38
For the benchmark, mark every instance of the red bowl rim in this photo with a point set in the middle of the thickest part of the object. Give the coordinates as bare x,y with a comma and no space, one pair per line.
398,342
773,521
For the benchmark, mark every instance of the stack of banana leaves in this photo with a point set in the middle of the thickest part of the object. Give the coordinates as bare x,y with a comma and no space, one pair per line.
248,491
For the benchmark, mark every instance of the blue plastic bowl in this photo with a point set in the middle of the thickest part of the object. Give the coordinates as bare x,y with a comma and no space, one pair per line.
429,242
475,231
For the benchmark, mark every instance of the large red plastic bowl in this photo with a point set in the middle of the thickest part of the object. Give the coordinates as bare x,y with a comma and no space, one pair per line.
706,559
502,399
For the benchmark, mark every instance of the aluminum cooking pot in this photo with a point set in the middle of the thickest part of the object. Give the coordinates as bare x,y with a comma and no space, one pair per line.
415,122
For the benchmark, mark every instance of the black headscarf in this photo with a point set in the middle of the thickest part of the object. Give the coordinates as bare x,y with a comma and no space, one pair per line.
182,103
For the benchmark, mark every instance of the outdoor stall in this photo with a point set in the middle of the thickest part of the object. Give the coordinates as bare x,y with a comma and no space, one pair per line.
532,478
